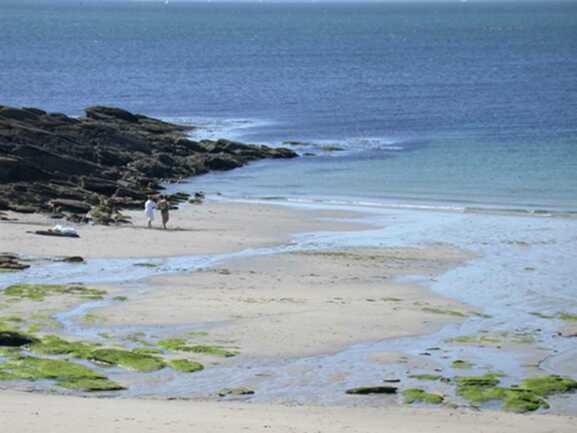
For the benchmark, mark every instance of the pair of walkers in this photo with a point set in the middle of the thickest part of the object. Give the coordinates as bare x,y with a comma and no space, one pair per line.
163,206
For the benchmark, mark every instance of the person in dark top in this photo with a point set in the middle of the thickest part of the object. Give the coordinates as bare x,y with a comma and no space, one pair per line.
163,206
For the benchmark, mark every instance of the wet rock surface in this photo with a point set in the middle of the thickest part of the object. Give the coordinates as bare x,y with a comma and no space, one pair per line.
50,162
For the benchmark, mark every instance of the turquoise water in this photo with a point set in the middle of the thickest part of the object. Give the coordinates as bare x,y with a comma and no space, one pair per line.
446,104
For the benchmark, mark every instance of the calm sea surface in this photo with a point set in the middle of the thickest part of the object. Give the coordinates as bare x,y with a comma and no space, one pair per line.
454,104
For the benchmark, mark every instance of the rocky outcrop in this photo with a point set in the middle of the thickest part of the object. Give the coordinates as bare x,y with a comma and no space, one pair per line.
50,162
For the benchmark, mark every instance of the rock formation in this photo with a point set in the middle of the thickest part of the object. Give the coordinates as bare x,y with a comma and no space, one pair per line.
50,162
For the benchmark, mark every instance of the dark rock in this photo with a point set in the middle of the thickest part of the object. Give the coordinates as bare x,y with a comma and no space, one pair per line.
50,162
73,259
365,390
15,339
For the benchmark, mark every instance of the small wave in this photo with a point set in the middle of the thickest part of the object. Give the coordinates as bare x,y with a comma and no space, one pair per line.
213,128
402,205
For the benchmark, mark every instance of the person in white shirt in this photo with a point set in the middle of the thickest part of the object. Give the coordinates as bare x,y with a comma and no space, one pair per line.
149,208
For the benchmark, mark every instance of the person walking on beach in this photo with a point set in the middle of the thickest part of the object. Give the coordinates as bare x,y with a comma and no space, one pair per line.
149,208
164,206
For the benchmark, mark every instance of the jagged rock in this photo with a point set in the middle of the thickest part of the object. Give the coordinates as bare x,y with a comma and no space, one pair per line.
50,162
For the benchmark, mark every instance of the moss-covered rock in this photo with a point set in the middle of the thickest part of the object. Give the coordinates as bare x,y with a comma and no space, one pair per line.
186,365
520,401
54,345
38,292
30,368
548,385
416,395
91,385
126,359
486,380
429,377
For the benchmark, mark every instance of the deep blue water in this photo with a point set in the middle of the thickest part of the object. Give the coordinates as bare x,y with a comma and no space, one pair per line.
467,103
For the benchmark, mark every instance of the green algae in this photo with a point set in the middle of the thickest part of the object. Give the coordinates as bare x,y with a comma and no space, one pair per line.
520,401
446,312
485,380
91,385
120,298
547,385
567,316
38,292
181,345
186,365
416,395
526,398
54,345
459,363
126,359
30,368
429,377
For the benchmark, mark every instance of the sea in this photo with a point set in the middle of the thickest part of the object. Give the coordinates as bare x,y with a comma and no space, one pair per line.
459,105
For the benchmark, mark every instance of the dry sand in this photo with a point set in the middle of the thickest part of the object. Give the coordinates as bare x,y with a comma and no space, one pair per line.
32,413
212,228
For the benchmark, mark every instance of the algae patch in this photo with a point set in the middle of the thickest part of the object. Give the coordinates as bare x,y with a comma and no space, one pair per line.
416,395
429,377
126,359
38,292
186,366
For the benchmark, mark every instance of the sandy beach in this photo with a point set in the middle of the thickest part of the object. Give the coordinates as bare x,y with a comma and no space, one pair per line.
283,315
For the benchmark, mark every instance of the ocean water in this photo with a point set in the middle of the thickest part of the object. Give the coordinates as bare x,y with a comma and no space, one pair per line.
435,104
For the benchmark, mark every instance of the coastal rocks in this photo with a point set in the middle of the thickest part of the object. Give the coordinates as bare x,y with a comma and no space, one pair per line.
50,162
